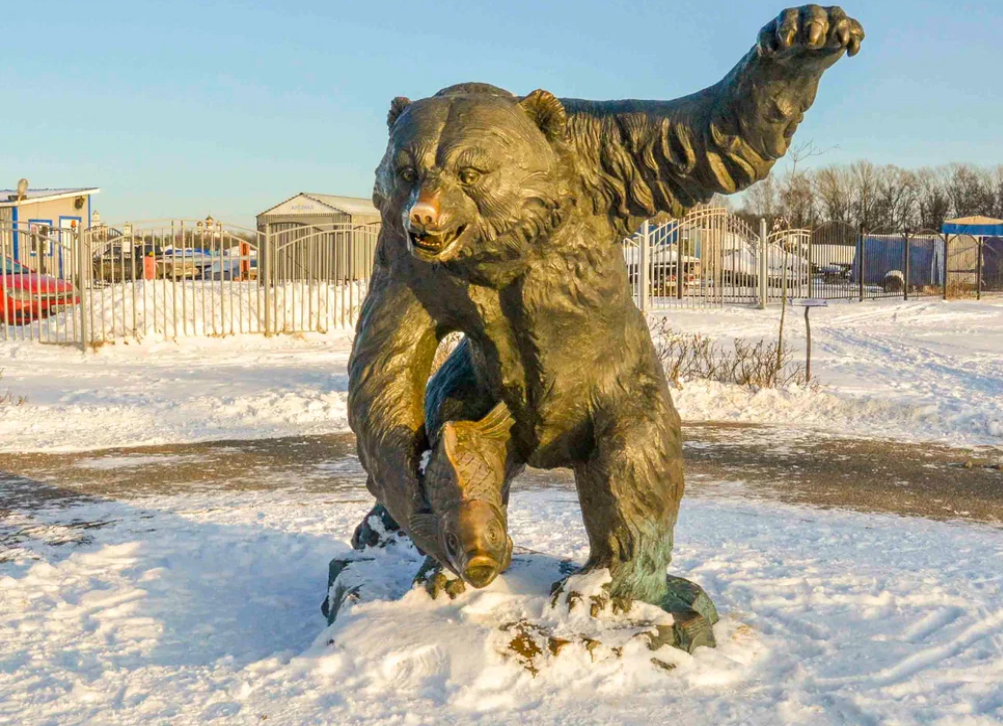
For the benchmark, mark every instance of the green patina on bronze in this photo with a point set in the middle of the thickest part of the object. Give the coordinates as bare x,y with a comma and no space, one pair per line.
502,217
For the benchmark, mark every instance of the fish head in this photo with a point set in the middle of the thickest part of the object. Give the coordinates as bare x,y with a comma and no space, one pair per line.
475,539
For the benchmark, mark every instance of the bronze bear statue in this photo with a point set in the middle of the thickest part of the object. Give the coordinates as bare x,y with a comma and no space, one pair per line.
502,218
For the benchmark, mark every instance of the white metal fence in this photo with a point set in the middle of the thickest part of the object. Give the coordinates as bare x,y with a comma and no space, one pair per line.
178,278
712,257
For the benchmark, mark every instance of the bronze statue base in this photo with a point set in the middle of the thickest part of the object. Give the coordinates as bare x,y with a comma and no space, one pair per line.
369,575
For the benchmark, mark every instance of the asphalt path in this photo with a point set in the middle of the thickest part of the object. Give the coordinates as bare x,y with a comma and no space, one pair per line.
805,468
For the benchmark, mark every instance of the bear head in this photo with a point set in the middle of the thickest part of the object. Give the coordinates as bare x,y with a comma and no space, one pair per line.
474,179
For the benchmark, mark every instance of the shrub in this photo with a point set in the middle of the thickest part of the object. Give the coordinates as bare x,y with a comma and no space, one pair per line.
754,364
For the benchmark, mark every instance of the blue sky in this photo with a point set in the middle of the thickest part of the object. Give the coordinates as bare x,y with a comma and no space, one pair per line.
188,108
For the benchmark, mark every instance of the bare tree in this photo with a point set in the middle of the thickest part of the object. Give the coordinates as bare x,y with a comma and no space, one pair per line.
997,188
797,198
864,176
969,189
897,198
934,203
834,191
878,197
762,200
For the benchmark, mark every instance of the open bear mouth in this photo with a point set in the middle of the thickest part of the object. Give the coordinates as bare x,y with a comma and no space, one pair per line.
435,243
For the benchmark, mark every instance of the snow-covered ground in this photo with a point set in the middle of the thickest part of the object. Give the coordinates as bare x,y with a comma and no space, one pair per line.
919,370
204,609
202,389
922,370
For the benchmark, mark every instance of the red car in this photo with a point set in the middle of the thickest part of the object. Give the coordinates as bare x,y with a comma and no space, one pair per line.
26,296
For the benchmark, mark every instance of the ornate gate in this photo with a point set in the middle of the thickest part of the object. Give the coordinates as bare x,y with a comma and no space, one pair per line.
709,257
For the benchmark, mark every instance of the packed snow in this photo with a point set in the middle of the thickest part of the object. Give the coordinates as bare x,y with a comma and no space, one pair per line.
205,609
923,370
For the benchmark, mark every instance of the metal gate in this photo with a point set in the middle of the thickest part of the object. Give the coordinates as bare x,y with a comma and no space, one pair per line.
788,268
709,257
180,278
316,275
38,300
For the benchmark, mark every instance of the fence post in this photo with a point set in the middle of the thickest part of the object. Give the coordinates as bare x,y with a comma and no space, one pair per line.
266,276
947,250
905,264
761,277
644,284
81,262
861,264
978,267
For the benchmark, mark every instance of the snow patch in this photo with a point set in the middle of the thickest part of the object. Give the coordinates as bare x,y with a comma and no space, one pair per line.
181,609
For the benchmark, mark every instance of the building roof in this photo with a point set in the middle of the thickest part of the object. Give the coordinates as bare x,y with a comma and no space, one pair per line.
977,226
8,197
356,206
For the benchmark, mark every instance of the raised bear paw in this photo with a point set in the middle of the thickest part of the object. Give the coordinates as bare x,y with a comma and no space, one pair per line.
809,31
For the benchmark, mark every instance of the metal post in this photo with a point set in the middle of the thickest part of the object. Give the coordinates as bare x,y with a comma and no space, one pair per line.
905,264
680,265
947,250
807,355
266,276
861,263
81,263
644,284
761,277
978,267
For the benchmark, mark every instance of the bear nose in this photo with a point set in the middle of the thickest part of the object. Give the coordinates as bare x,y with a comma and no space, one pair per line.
424,214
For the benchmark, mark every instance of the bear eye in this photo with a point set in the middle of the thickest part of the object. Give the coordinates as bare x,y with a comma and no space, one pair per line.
407,173
469,175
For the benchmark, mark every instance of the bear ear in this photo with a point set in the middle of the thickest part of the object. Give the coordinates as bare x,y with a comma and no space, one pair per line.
548,113
397,107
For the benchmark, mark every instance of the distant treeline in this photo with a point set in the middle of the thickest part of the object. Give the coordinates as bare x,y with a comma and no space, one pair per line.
877,197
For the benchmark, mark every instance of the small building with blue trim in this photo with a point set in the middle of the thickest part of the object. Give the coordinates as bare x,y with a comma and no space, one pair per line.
46,211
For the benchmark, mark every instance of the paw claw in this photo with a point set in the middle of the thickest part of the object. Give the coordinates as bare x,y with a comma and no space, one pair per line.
816,32
435,581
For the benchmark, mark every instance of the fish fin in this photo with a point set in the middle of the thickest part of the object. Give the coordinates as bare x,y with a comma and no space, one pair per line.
424,529
449,440
497,423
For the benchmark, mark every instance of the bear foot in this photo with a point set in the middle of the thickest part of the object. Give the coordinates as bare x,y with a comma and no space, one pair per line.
377,529
437,580
693,612
341,586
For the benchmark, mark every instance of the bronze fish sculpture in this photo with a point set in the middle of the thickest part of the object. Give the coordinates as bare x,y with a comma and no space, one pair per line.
464,483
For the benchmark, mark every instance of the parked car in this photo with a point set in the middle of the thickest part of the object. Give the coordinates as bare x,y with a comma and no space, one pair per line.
118,263
26,296
662,274
186,263
230,268
740,266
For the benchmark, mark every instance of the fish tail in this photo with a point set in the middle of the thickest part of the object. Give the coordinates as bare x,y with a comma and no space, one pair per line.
497,423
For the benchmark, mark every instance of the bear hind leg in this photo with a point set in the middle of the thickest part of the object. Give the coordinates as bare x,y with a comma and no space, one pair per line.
629,490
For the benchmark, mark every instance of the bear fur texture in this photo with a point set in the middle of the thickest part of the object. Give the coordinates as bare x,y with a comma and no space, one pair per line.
502,217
